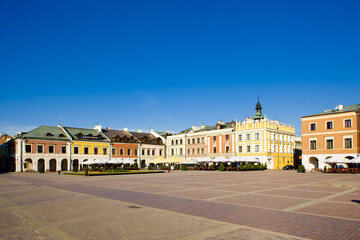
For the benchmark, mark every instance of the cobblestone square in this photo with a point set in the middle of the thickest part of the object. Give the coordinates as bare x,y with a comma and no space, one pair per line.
181,205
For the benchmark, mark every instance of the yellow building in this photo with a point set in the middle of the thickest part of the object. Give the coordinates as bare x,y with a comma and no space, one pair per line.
87,144
268,141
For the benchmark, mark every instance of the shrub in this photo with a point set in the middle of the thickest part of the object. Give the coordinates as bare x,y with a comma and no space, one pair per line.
213,167
325,168
113,167
221,167
202,165
81,167
183,167
149,167
93,167
75,169
265,167
136,167
301,168
41,169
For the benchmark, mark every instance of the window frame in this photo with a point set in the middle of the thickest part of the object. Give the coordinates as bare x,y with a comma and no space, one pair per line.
310,126
28,145
332,125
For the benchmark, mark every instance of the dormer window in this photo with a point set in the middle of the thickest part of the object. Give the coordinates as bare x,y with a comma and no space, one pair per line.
218,126
49,135
61,135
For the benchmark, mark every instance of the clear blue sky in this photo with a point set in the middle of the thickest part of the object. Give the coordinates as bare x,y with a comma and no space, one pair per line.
171,64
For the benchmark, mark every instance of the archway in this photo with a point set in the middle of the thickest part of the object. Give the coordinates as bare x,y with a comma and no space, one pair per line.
28,165
41,165
314,163
142,165
64,165
76,164
52,167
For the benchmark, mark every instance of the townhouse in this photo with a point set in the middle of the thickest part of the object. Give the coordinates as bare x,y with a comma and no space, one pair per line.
332,133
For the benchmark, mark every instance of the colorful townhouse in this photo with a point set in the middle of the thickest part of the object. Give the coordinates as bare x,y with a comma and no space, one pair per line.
42,149
123,144
176,144
196,142
268,141
86,144
221,140
332,133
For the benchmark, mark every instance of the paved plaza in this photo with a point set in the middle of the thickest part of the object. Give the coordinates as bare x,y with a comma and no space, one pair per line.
180,205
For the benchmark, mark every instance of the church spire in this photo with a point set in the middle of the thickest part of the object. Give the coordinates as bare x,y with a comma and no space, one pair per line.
258,113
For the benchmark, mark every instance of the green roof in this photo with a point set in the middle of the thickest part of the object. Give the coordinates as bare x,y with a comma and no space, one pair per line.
350,108
85,134
46,132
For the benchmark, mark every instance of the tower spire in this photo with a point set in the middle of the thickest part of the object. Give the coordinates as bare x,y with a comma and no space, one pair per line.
258,113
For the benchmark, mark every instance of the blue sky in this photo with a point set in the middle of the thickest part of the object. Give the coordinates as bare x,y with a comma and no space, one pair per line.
168,65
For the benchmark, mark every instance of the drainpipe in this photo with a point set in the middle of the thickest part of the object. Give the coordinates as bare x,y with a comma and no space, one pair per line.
21,156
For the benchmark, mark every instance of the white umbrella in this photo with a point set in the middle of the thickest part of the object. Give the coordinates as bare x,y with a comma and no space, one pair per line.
88,162
204,159
128,161
235,159
355,160
251,159
99,161
336,159
188,162
220,159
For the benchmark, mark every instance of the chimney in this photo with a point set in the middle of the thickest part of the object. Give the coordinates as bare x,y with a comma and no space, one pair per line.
341,107
98,128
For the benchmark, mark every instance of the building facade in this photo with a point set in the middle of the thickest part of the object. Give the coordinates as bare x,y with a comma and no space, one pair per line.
332,133
271,142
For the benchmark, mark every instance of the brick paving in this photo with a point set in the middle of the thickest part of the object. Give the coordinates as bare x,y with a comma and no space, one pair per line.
255,200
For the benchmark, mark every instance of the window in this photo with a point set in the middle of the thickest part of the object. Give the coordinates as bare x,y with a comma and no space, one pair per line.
348,142
347,123
248,148
188,141
63,149
96,150
28,148
51,149
193,151
283,149
214,149
176,142
257,135
113,151
329,125
202,140
198,151
142,152
172,142
129,151
160,152
40,149
248,136
122,151
153,152
181,151
214,138
313,126
291,150
257,148
148,152
104,151
227,138
312,144
227,149
180,141
76,150
198,140
240,149
329,144
135,151
274,148
202,150
188,151
193,141
172,152
240,137
86,150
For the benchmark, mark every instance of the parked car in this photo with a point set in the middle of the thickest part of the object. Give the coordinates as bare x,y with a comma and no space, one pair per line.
288,167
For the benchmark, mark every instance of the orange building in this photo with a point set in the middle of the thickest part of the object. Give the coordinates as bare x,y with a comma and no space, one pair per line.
332,133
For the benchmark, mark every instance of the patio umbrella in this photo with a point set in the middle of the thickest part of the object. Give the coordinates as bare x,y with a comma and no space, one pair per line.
157,160
235,159
188,162
88,162
203,160
174,159
251,159
220,159
335,159
355,160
